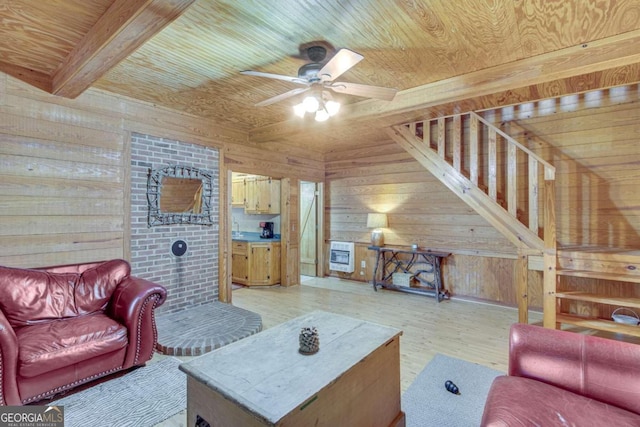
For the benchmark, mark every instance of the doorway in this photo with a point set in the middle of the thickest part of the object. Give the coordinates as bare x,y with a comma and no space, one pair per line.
309,229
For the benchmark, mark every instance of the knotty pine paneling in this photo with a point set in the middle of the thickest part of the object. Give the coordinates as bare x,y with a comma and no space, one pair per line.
593,141
420,209
64,177
61,186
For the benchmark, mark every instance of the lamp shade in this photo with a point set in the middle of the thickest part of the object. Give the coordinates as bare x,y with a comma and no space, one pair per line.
377,220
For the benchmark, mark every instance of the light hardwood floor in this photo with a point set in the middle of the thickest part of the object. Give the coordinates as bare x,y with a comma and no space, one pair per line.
472,331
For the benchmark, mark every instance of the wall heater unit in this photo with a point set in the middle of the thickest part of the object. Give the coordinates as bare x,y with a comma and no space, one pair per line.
342,257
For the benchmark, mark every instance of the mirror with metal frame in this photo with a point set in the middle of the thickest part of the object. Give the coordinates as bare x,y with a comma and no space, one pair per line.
179,195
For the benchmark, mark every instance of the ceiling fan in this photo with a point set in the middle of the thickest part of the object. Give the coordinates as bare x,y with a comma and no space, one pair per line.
319,76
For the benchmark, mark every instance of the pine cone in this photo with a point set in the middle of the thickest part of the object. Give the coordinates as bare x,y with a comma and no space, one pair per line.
309,340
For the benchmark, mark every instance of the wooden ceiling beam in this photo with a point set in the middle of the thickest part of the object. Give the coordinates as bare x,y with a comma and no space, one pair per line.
612,52
123,28
34,78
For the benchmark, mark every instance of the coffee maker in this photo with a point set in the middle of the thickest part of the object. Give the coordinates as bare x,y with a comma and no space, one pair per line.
267,230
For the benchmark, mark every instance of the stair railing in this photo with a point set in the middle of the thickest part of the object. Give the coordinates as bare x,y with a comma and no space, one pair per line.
493,162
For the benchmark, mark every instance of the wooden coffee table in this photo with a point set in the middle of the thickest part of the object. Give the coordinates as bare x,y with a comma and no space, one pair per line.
262,380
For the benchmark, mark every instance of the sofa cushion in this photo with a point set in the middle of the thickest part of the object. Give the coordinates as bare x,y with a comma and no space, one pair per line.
48,346
517,401
31,296
96,285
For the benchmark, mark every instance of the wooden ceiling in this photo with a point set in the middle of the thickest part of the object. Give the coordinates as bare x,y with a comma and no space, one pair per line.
442,55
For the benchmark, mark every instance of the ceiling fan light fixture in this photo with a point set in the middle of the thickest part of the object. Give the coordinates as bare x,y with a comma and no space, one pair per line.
321,104
319,78
299,110
311,104
332,107
322,115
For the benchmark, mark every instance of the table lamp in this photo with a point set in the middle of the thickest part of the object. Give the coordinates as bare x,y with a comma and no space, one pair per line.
377,221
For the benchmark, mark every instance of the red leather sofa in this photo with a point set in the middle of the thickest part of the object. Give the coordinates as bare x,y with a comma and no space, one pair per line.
67,325
560,378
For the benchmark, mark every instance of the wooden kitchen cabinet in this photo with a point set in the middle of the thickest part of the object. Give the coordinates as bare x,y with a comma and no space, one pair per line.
255,264
237,193
239,263
262,195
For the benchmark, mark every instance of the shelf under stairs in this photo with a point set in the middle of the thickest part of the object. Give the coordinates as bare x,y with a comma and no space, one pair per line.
605,267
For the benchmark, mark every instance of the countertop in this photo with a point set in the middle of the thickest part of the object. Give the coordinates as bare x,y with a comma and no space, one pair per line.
253,237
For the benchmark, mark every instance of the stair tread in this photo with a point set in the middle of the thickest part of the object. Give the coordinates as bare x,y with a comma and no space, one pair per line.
601,260
632,276
597,251
603,299
599,324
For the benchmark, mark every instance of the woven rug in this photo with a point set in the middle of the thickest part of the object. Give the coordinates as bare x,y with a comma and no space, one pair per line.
427,403
143,397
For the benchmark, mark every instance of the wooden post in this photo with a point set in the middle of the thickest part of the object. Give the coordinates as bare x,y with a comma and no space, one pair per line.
549,257
533,194
473,150
224,233
457,146
441,136
512,179
521,275
493,166
426,133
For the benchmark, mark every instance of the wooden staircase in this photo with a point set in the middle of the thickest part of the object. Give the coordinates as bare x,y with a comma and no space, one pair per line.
514,190
485,175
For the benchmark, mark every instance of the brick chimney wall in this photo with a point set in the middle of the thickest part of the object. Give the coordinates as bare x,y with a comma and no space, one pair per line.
191,279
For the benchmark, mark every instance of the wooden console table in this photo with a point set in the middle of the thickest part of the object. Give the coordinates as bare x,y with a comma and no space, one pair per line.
422,267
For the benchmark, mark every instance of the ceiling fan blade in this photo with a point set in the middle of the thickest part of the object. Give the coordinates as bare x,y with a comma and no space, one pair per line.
297,80
377,92
341,62
282,96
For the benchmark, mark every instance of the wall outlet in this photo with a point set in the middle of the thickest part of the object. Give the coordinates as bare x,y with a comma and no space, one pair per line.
363,264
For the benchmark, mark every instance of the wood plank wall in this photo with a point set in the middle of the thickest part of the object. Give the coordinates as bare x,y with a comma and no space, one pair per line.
420,210
63,182
64,176
591,138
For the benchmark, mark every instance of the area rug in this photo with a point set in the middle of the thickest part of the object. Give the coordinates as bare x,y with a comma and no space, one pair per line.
427,403
143,397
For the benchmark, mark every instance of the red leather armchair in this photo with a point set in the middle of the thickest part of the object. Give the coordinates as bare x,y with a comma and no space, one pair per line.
560,378
63,326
